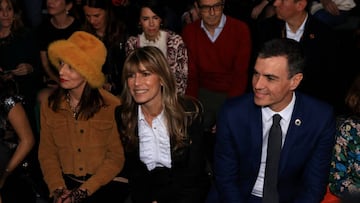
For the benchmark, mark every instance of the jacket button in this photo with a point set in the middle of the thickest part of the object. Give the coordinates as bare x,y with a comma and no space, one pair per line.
81,131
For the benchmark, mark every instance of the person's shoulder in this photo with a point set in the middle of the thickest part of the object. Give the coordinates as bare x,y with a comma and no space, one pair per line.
235,21
313,104
76,24
110,98
9,102
171,33
316,25
348,118
196,25
174,37
132,39
190,103
193,107
245,100
236,26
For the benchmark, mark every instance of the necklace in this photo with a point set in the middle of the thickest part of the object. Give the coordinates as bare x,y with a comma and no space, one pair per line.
67,22
74,109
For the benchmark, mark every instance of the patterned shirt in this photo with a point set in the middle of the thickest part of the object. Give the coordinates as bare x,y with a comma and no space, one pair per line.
345,164
176,55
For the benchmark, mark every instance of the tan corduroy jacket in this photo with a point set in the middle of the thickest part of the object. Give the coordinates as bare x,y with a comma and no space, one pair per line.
80,147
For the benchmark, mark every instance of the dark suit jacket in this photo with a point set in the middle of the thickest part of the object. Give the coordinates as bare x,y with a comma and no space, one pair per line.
187,180
320,48
305,156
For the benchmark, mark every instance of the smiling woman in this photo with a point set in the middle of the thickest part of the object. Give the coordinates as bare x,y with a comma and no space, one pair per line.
162,133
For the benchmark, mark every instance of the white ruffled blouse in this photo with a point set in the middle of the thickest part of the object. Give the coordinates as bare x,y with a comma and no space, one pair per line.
154,142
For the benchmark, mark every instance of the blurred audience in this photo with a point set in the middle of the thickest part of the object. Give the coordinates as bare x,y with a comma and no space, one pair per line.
58,24
151,18
101,21
219,48
332,12
19,55
318,40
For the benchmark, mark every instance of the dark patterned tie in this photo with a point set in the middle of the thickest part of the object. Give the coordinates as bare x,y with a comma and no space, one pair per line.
270,192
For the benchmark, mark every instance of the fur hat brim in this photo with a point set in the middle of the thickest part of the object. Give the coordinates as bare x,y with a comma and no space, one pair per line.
73,53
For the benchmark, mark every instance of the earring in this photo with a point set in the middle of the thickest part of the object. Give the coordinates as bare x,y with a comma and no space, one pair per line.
67,12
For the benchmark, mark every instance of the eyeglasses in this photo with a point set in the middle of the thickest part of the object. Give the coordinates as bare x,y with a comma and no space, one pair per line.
208,8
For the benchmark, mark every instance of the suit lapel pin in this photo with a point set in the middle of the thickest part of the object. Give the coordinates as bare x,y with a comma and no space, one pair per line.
298,122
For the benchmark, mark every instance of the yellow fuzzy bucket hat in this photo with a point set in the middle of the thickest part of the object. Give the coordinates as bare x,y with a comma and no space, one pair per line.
83,52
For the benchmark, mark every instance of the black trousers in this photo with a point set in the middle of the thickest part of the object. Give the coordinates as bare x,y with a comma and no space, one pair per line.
113,192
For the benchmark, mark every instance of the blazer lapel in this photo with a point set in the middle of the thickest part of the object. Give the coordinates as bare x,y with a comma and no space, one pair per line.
294,131
256,137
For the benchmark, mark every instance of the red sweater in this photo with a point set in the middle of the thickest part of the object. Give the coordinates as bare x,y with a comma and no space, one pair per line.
221,66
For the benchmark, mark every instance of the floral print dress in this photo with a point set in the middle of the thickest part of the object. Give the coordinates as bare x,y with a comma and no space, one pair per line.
345,165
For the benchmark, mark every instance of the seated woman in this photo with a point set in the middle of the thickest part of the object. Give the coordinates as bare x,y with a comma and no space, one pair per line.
345,166
17,139
152,16
161,133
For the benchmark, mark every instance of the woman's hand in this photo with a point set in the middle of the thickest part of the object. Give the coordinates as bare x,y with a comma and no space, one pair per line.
330,7
74,196
256,11
23,69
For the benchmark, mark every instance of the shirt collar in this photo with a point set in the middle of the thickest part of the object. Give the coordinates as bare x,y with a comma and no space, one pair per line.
141,116
220,26
285,113
301,28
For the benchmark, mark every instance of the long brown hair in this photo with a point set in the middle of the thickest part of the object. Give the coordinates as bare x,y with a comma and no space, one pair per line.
18,23
153,59
115,31
90,103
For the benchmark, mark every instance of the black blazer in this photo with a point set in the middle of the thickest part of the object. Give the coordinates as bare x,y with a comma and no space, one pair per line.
185,182
305,156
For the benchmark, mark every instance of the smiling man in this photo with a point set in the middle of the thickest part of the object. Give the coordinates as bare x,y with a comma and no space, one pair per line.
242,151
